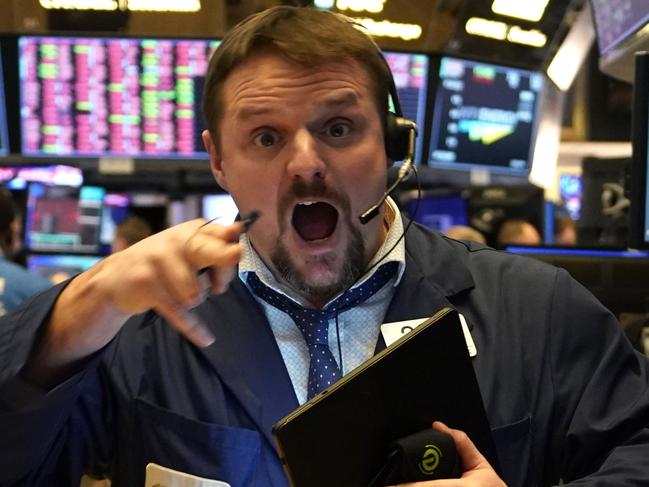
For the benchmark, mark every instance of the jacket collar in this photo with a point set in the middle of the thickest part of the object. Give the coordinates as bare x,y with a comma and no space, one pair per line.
436,271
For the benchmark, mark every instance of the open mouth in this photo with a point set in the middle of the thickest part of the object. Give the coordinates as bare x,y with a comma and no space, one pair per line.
314,220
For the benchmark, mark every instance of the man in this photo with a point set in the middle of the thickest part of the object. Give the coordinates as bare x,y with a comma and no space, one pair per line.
16,283
565,231
517,232
130,231
463,232
296,102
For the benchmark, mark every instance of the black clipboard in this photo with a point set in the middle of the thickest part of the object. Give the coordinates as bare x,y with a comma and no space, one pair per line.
341,436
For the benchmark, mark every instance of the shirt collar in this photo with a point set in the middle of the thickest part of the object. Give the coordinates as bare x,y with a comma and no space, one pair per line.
393,247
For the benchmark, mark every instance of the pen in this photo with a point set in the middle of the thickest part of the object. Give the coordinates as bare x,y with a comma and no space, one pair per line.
201,334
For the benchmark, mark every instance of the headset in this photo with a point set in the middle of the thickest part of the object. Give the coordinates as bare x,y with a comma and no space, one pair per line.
398,129
400,136
399,140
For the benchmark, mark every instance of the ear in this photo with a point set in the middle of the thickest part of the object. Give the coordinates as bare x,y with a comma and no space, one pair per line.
216,162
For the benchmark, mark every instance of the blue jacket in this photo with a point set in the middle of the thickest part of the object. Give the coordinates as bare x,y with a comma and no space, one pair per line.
17,284
566,395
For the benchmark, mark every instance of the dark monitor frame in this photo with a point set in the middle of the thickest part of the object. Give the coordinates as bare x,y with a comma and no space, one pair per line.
638,182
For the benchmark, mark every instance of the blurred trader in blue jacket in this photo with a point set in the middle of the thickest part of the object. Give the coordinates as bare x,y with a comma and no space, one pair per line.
16,283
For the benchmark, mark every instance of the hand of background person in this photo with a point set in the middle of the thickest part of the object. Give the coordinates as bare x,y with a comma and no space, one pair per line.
477,471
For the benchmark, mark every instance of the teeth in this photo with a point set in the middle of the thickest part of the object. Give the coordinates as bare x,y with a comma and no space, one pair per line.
308,203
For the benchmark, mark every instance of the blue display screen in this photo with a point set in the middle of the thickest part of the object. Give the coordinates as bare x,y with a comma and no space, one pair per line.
58,267
438,212
570,189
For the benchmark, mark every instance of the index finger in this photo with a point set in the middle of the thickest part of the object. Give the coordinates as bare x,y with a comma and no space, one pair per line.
213,245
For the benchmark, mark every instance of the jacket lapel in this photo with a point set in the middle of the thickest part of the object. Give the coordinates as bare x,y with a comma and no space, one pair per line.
247,358
435,272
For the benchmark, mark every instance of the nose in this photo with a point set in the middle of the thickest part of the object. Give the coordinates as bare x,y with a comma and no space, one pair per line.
306,161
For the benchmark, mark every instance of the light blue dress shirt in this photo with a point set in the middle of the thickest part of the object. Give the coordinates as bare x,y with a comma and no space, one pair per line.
359,327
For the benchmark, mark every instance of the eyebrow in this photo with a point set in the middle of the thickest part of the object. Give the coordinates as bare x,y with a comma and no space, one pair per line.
252,111
345,99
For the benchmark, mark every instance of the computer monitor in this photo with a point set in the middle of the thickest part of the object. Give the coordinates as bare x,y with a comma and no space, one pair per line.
18,177
99,96
484,116
58,267
115,209
617,20
570,190
438,210
220,208
639,166
410,73
604,216
63,218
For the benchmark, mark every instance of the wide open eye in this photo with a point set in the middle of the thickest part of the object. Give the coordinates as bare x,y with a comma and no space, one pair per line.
338,129
266,138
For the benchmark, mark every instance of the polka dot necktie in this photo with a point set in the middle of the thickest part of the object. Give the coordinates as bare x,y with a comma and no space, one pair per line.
314,323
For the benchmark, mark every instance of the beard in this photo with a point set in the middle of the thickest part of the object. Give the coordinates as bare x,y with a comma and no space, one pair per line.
353,264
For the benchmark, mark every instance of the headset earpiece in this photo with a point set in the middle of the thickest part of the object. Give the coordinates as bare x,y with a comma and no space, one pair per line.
397,135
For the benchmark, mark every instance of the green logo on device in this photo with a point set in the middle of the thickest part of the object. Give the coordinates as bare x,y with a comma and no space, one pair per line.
430,459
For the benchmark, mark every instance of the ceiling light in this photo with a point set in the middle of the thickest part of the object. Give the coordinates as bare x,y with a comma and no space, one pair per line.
486,28
531,10
386,28
532,37
373,6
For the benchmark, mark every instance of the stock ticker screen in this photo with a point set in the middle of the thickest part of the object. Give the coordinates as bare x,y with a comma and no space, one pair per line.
83,96
484,115
410,73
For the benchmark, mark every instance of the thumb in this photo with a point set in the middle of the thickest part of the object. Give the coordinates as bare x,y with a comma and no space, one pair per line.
469,455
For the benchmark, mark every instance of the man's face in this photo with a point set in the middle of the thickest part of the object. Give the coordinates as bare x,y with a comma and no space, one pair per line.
305,147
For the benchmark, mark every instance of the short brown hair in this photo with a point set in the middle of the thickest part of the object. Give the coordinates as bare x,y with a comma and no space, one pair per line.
306,36
133,229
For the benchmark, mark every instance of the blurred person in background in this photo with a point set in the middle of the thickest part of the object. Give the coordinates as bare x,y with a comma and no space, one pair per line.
130,231
565,231
463,232
517,232
16,283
